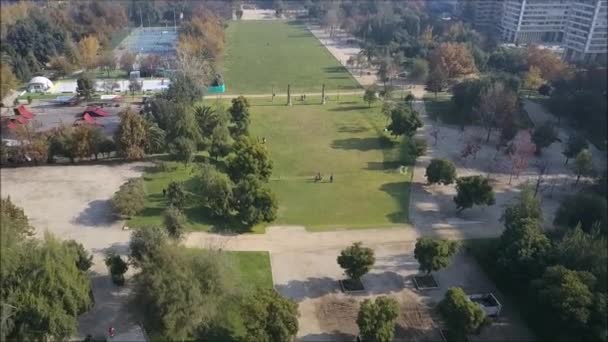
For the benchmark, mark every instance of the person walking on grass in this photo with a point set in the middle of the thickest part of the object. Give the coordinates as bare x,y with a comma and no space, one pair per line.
331,178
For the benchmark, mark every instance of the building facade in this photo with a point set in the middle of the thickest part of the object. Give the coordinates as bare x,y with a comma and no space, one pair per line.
579,26
586,31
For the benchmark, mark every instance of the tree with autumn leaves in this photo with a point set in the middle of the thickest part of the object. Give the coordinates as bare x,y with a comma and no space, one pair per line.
454,58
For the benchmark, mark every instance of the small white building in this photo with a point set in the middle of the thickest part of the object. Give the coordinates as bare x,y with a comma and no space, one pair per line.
39,84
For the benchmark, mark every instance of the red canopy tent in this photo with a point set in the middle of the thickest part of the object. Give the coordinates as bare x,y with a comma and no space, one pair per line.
95,111
21,110
87,119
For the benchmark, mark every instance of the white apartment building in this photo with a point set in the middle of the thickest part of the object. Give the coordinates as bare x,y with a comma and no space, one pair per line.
579,26
586,33
534,21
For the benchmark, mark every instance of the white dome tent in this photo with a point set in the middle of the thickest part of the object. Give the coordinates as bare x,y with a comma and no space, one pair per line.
39,84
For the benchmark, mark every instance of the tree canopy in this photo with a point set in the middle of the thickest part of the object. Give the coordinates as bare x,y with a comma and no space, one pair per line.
461,315
434,254
441,171
404,121
356,260
270,317
473,190
376,319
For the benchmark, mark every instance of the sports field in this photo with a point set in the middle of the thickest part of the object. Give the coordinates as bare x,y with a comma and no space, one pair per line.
263,54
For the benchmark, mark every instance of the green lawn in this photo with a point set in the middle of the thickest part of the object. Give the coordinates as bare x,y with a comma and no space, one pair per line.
371,169
345,140
263,54
252,268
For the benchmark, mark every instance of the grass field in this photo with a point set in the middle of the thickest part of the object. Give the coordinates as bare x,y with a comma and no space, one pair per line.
371,170
261,54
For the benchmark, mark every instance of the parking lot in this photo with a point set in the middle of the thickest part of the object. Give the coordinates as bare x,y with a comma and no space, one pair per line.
50,115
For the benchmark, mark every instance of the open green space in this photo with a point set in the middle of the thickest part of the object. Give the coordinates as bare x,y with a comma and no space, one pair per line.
252,268
371,170
263,54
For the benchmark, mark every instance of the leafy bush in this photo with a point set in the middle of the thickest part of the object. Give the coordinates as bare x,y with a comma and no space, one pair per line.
118,268
130,198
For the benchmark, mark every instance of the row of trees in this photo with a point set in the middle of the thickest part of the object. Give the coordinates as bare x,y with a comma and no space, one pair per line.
34,273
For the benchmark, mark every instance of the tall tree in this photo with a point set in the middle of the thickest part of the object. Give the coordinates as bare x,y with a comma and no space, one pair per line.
574,145
583,164
496,105
376,319
250,158
441,171
215,189
461,315
585,209
455,58
473,190
568,295
543,136
253,202
130,137
437,80
88,47
356,260
126,62
370,96
239,112
533,79
434,254
404,121
268,316
8,80
85,87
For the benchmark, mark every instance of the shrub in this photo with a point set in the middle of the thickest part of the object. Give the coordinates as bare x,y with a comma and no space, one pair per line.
356,260
174,222
130,198
118,268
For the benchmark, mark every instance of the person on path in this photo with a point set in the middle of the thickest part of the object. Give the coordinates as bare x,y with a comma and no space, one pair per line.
331,178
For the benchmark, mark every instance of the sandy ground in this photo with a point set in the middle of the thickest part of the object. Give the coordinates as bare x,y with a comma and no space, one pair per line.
432,208
259,14
341,47
72,202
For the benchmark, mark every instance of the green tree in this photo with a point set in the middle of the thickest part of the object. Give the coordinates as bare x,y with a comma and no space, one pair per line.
437,80
215,189
176,195
85,87
434,254
356,260
84,260
239,113
526,207
404,121
253,202
473,190
14,220
250,158
182,123
523,251
178,292
8,81
583,165
567,293
131,136
370,96
461,316
574,145
377,318
155,139
586,209
420,70
269,317
441,171
117,267
183,149
145,243
581,251
184,89
543,136
174,222
34,274
130,198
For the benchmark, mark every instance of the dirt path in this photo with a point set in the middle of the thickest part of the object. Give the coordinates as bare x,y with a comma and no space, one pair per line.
342,46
